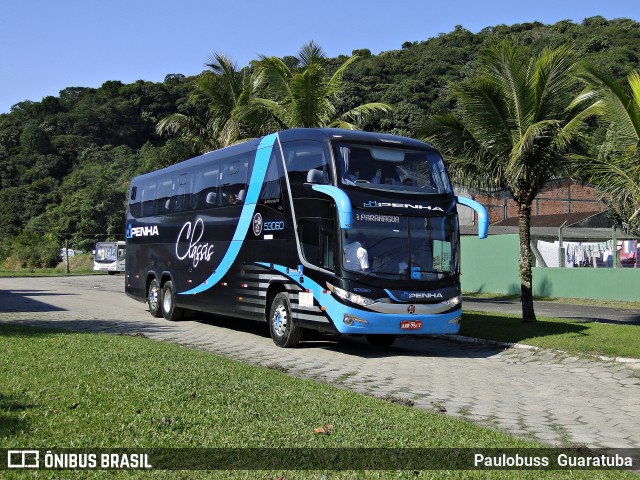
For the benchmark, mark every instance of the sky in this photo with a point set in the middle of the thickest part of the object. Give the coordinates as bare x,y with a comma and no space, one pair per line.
49,45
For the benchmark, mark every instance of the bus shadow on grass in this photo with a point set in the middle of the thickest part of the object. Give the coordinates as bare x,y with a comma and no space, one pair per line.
12,407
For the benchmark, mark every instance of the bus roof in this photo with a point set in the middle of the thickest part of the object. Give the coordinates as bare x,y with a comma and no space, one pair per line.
348,135
318,134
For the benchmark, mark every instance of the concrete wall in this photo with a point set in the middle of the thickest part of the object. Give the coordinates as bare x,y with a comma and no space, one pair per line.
491,266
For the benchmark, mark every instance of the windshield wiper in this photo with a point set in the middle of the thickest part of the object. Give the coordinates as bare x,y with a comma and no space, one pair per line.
439,272
379,271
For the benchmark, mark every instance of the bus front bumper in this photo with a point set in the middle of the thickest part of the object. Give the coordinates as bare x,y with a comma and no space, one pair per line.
360,322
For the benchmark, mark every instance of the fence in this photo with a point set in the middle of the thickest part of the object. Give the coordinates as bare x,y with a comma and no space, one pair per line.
491,266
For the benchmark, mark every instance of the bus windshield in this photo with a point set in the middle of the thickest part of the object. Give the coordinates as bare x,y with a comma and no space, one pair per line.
391,169
394,247
106,253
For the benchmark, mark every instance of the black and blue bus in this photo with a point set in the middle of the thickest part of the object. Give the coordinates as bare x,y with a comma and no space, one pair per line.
333,230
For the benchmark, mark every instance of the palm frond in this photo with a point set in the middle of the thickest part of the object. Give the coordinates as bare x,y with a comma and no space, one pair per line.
335,82
276,75
275,110
504,66
311,54
621,178
483,111
309,100
552,78
357,116
619,106
575,128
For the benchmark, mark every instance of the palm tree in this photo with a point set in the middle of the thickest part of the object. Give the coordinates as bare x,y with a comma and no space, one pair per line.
307,96
511,131
220,94
616,169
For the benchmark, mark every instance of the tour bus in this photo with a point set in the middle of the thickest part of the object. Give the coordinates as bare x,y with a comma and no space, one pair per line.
331,230
109,257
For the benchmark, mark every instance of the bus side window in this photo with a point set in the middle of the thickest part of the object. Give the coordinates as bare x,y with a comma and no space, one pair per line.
135,206
271,192
149,199
328,240
301,158
317,239
309,234
233,179
165,187
181,198
206,195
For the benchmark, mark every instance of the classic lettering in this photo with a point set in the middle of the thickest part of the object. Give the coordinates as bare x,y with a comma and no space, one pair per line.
188,243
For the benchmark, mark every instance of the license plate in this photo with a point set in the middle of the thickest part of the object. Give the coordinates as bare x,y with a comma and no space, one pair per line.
411,325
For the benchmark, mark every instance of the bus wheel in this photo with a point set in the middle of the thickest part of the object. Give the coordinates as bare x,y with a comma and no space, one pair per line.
284,332
153,299
381,340
169,309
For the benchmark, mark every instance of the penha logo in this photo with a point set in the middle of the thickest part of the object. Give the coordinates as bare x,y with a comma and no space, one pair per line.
376,204
142,231
420,295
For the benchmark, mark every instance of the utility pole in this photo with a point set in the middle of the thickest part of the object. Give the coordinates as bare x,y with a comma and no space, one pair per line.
66,255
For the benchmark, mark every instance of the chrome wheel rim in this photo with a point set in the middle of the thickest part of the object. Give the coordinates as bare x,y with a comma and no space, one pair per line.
279,320
153,298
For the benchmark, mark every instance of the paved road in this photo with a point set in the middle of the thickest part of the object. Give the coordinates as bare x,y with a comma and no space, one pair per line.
587,313
558,399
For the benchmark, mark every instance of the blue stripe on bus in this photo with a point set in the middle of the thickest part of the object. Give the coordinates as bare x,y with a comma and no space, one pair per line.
246,216
378,323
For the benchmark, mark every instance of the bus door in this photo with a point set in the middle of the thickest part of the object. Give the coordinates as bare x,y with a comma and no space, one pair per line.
307,164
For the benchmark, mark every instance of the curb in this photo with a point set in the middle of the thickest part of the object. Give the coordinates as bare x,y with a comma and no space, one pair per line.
633,363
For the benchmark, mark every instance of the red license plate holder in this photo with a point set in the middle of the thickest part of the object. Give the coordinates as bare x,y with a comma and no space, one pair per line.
411,325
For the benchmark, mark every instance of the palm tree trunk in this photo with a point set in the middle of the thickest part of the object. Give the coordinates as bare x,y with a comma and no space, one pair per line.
526,277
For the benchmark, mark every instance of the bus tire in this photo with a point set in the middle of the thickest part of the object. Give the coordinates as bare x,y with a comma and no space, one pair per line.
153,299
169,309
381,340
284,332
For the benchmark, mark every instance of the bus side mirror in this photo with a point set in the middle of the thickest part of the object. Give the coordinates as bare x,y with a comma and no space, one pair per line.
483,216
343,203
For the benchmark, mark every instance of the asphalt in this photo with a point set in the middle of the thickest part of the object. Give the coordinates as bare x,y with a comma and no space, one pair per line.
554,397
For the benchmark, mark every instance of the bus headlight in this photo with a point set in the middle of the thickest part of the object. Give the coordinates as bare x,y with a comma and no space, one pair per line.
453,301
350,297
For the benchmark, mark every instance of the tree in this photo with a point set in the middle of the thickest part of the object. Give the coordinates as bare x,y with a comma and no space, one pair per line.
307,96
511,131
616,168
218,98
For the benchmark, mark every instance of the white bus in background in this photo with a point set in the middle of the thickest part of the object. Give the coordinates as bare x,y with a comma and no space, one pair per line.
109,257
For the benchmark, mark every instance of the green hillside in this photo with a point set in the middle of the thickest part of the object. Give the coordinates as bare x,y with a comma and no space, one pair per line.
66,161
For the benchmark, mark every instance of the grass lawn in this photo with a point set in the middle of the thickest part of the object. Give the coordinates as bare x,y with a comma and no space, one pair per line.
75,390
587,338
80,264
